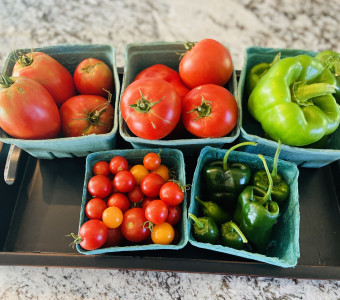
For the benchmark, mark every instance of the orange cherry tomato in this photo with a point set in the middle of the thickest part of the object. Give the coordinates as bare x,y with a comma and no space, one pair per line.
163,170
112,217
163,234
139,172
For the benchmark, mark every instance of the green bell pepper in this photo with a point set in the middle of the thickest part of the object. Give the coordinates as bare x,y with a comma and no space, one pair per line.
280,189
205,229
213,210
331,60
293,101
232,236
256,213
223,183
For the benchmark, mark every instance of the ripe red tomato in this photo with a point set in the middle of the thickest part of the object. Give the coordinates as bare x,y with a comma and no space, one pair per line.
101,168
48,72
151,108
99,186
152,161
27,110
171,193
118,163
174,215
156,211
146,201
114,237
206,62
151,184
132,225
124,181
93,234
209,111
86,114
119,200
94,208
164,72
136,195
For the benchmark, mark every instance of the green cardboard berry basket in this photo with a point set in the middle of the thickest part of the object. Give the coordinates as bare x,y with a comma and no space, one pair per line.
251,130
70,56
173,159
284,249
140,56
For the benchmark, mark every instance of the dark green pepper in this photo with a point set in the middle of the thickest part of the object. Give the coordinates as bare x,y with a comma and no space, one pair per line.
213,210
223,183
205,229
280,189
256,213
232,236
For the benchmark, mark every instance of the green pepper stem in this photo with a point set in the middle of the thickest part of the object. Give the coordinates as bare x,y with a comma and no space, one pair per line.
267,196
238,230
225,158
301,92
199,224
276,59
200,201
276,159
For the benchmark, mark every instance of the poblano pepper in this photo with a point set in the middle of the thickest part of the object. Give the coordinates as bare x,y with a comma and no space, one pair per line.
223,183
232,236
205,229
280,189
293,101
256,213
213,210
331,60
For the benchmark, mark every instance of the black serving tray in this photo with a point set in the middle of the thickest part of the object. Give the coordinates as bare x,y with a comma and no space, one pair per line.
43,206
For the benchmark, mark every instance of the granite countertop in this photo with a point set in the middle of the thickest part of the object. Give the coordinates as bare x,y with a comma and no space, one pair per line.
310,25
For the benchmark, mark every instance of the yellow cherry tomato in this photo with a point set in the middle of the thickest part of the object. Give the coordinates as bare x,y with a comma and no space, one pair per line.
163,234
112,217
163,170
139,172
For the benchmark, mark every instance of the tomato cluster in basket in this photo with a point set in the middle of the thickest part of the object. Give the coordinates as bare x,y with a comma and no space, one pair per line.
131,204
43,100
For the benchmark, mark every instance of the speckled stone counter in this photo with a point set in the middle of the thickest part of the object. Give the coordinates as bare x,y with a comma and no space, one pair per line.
312,25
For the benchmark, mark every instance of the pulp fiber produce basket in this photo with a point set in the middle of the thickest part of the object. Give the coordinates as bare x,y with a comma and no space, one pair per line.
143,55
251,130
284,249
62,147
173,159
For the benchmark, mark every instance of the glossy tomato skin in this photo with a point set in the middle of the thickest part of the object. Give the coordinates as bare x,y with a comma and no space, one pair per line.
171,193
28,111
164,72
124,181
92,77
119,200
158,121
99,186
118,163
207,62
94,208
223,111
174,215
132,225
78,116
49,73
93,234
101,168
163,234
151,184
156,211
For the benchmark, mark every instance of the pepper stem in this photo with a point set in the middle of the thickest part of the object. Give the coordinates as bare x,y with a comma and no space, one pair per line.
266,197
199,224
200,201
5,81
239,232
302,92
276,159
225,158
276,59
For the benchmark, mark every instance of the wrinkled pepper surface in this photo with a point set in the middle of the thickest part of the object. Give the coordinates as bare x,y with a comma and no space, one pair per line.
293,101
205,230
280,189
232,236
213,210
224,182
256,213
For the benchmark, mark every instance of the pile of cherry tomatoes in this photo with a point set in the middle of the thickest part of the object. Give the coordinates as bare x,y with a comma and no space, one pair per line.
131,204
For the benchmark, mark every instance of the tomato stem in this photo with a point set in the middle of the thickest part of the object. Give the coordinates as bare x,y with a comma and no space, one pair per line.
203,110
76,239
143,105
25,59
5,81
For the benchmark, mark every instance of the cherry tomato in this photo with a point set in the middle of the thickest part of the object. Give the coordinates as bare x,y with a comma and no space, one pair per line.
112,217
92,77
114,237
151,108
152,161
93,234
209,111
86,114
156,211
174,214
119,200
151,184
101,168
146,201
171,193
136,195
163,234
132,225
139,172
99,186
94,208
124,181
163,170
207,62
118,163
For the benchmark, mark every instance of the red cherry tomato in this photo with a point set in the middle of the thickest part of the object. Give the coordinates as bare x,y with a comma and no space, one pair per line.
99,186
101,168
114,237
146,201
174,214
152,161
136,195
151,184
156,211
124,181
119,200
118,163
93,234
171,193
94,208
132,225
